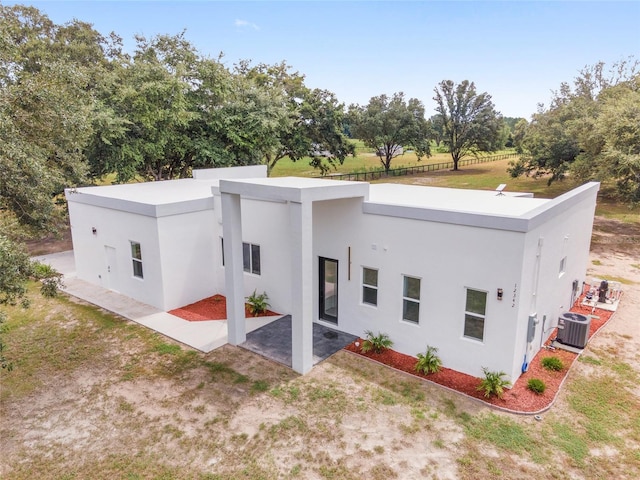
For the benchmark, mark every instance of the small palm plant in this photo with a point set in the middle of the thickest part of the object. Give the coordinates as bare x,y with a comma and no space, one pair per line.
258,304
377,343
493,383
429,362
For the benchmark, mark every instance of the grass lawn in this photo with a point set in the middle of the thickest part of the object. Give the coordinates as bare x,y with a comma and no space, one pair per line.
94,396
488,176
364,161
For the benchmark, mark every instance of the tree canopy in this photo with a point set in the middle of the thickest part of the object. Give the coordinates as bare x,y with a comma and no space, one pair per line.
46,106
591,130
388,125
469,120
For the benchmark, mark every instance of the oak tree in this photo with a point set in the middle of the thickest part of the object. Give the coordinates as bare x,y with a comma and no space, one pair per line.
470,122
390,124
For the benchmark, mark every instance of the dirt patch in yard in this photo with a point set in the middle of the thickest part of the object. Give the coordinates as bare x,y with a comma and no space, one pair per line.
614,237
51,243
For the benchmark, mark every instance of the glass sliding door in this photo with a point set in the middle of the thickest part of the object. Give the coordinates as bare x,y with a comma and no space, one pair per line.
328,290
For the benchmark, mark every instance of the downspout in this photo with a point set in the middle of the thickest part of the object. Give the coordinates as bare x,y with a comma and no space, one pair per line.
533,315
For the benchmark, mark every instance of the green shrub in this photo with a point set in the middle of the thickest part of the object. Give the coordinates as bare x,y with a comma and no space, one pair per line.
377,343
50,277
536,386
4,363
50,286
429,362
40,270
552,363
258,304
493,383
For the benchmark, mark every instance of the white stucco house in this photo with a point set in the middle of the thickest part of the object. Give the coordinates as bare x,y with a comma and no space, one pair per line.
481,275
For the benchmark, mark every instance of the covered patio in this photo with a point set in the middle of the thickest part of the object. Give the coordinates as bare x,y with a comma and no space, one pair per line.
273,341
299,195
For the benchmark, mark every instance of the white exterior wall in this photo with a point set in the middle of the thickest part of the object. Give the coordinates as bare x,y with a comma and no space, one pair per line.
567,234
189,257
183,273
266,224
117,229
447,258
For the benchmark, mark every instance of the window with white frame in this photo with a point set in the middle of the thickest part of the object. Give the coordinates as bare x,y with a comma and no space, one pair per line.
563,266
136,259
251,258
474,314
370,286
410,299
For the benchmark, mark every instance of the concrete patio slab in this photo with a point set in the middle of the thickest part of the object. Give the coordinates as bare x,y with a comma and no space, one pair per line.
274,341
204,336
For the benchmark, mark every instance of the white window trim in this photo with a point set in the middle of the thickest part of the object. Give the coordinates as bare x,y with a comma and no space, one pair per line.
410,299
250,271
135,260
563,266
372,287
474,314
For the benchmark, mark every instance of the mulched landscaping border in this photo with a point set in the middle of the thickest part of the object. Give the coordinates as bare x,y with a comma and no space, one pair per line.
211,308
518,399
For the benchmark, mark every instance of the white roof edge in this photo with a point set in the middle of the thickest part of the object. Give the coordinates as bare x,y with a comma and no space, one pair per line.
471,219
139,208
517,223
563,202
285,189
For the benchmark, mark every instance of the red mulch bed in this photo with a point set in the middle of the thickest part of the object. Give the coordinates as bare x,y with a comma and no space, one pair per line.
517,399
211,308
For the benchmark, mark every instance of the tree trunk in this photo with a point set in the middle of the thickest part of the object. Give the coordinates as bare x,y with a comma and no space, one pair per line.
387,164
456,159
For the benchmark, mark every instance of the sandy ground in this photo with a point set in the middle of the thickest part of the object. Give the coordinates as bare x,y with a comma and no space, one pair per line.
346,419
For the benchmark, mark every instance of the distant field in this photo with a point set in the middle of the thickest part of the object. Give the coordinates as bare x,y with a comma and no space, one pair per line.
364,161
487,176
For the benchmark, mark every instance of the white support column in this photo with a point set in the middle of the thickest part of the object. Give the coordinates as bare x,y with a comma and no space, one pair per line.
301,286
233,276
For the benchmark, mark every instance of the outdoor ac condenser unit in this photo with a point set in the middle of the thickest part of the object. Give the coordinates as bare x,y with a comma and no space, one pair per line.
573,329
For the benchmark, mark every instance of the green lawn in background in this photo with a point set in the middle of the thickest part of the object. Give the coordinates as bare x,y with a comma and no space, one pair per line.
364,161
487,176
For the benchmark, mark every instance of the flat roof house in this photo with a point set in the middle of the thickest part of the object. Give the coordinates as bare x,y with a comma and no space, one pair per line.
481,276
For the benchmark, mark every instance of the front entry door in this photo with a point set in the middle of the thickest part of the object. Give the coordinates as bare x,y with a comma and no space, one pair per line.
329,290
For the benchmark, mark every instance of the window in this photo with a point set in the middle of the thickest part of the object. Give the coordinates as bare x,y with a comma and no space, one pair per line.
563,266
474,314
136,258
369,286
411,299
251,258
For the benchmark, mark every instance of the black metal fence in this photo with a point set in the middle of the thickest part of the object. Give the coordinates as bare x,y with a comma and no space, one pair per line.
397,172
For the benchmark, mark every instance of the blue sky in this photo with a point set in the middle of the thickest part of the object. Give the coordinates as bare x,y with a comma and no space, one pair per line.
517,51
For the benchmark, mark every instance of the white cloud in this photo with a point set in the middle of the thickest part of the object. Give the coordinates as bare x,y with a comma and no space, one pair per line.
244,24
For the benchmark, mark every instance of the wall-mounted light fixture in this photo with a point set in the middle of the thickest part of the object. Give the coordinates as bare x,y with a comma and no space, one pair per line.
500,292
94,230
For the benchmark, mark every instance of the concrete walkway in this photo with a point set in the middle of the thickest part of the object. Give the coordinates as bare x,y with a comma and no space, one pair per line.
204,336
